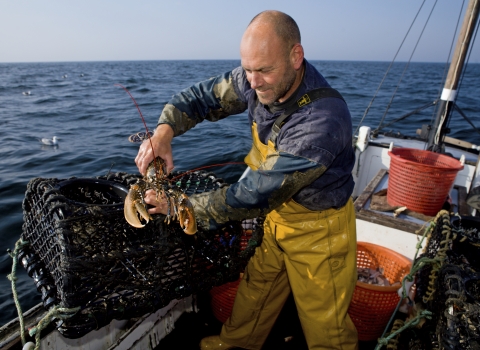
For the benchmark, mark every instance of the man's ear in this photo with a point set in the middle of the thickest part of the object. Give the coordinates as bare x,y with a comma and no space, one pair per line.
297,56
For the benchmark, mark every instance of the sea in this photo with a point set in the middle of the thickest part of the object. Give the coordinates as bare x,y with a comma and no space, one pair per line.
84,106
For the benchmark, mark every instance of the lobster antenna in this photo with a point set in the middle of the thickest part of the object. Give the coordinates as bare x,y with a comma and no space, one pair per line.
143,119
204,167
109,170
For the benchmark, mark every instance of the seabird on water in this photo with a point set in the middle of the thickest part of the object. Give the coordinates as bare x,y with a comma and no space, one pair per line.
51,142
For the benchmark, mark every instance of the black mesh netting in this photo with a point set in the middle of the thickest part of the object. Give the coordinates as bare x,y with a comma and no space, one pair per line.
82,252
448,285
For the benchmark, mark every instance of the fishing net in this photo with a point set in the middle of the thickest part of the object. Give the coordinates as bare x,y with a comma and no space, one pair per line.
448,286
82,252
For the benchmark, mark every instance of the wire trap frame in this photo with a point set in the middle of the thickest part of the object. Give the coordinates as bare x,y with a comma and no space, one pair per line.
82,252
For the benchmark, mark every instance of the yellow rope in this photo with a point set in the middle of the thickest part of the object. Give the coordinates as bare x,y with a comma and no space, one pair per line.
393,343
440,257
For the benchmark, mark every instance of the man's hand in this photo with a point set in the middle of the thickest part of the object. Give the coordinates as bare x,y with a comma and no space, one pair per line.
159,203
161,142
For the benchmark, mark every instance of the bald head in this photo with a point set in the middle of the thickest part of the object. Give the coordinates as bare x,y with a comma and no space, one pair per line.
284,26
272,56
272,31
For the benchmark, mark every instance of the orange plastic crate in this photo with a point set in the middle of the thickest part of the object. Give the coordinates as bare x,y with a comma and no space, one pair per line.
223,296
372,305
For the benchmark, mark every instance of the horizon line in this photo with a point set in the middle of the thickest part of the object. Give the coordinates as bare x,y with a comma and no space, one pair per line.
212,59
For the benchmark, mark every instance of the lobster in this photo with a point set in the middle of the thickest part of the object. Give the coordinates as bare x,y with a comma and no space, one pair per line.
155,178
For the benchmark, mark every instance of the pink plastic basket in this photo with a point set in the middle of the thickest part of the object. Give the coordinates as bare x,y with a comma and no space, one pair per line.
420,180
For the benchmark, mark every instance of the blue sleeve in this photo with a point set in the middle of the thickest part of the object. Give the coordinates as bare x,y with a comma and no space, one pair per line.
256,188
258,192
212,100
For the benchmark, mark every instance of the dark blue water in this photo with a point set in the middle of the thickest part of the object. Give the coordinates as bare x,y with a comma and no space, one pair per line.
80,104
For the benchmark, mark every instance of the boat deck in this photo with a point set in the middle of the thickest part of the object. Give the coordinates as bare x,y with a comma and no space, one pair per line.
192,327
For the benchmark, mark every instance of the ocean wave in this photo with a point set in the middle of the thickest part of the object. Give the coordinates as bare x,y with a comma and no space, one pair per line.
49,99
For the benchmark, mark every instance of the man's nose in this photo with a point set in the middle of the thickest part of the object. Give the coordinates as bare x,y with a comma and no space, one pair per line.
256,80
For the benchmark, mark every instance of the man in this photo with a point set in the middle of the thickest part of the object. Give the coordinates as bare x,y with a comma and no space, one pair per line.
300,178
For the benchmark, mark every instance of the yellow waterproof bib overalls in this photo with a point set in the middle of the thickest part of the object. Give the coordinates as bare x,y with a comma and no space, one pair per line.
312,254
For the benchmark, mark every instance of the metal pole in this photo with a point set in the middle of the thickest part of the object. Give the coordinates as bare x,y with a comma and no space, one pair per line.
449,93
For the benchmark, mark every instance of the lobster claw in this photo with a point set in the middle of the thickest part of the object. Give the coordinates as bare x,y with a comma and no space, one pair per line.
186,215
135,207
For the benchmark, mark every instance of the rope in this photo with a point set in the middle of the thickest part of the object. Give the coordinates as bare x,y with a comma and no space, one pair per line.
54,313
386,73
410,275
444,234
12,277
411,323
440,256
403,73
393,343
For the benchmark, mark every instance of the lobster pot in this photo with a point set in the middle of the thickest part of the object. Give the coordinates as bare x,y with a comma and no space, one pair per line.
420,180
82,252
449,290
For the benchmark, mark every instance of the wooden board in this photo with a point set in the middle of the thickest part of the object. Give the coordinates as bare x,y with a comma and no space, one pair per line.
377,217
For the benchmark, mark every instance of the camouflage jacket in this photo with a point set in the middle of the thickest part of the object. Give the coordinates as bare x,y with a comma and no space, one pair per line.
314,156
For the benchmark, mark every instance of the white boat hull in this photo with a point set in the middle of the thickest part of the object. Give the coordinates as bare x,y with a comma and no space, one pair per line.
141,333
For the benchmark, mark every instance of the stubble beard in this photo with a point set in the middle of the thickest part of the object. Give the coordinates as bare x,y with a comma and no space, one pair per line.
281,89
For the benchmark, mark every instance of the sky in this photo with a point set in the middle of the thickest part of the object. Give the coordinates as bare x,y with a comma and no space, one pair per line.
120,30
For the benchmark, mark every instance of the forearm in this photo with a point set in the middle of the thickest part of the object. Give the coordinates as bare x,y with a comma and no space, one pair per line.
213,99
255,195
211,209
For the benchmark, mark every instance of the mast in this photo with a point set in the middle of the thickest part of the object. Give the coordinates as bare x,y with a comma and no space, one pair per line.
449,93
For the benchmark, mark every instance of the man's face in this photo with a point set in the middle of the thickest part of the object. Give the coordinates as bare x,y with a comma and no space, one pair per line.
268,67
